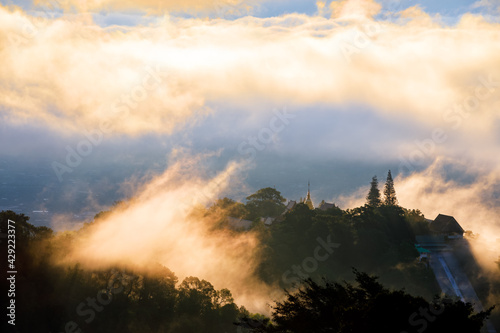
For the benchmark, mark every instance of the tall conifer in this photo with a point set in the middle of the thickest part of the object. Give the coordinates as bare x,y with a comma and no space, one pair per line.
373,197
389,191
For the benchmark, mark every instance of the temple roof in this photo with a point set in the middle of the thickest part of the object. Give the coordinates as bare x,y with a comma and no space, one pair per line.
446,224
326,206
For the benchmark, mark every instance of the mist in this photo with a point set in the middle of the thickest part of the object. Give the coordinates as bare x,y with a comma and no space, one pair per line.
163,223
459,188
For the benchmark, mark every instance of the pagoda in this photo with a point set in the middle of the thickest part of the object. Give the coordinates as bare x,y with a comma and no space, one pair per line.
308,200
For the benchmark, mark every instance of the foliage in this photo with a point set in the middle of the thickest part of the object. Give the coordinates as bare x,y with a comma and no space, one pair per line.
366,306
229,207
389,191
265,202
25,231
376,238
52,297
417,221
373,197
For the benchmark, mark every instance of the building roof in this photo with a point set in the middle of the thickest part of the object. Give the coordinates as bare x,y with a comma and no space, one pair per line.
238,223
326,206
446,224
290,205
268,220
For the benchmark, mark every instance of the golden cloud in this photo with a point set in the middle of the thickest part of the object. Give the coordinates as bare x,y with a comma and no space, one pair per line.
163,224
218,7
473,201
72,74
354,8
474,205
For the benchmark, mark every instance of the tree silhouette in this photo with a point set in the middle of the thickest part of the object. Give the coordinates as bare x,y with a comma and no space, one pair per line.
229,207
265,202
366,306
389,191
373,197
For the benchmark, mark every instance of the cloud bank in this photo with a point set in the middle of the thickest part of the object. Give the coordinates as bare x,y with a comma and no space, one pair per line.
73,74
151,6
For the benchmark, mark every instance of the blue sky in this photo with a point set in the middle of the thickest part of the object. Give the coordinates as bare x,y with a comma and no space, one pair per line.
445,8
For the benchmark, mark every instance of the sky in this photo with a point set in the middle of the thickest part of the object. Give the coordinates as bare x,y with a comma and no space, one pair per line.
99,96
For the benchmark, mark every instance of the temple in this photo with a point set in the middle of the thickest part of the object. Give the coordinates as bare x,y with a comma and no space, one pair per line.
308,200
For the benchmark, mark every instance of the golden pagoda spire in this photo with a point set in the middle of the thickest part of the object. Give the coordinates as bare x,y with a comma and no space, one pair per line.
308,201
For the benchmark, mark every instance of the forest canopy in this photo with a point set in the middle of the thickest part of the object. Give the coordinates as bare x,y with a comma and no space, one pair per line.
307,253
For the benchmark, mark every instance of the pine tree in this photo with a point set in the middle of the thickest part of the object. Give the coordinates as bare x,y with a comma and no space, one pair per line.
390,192
373,197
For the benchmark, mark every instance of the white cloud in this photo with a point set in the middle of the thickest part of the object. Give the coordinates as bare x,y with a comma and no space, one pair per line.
73,73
